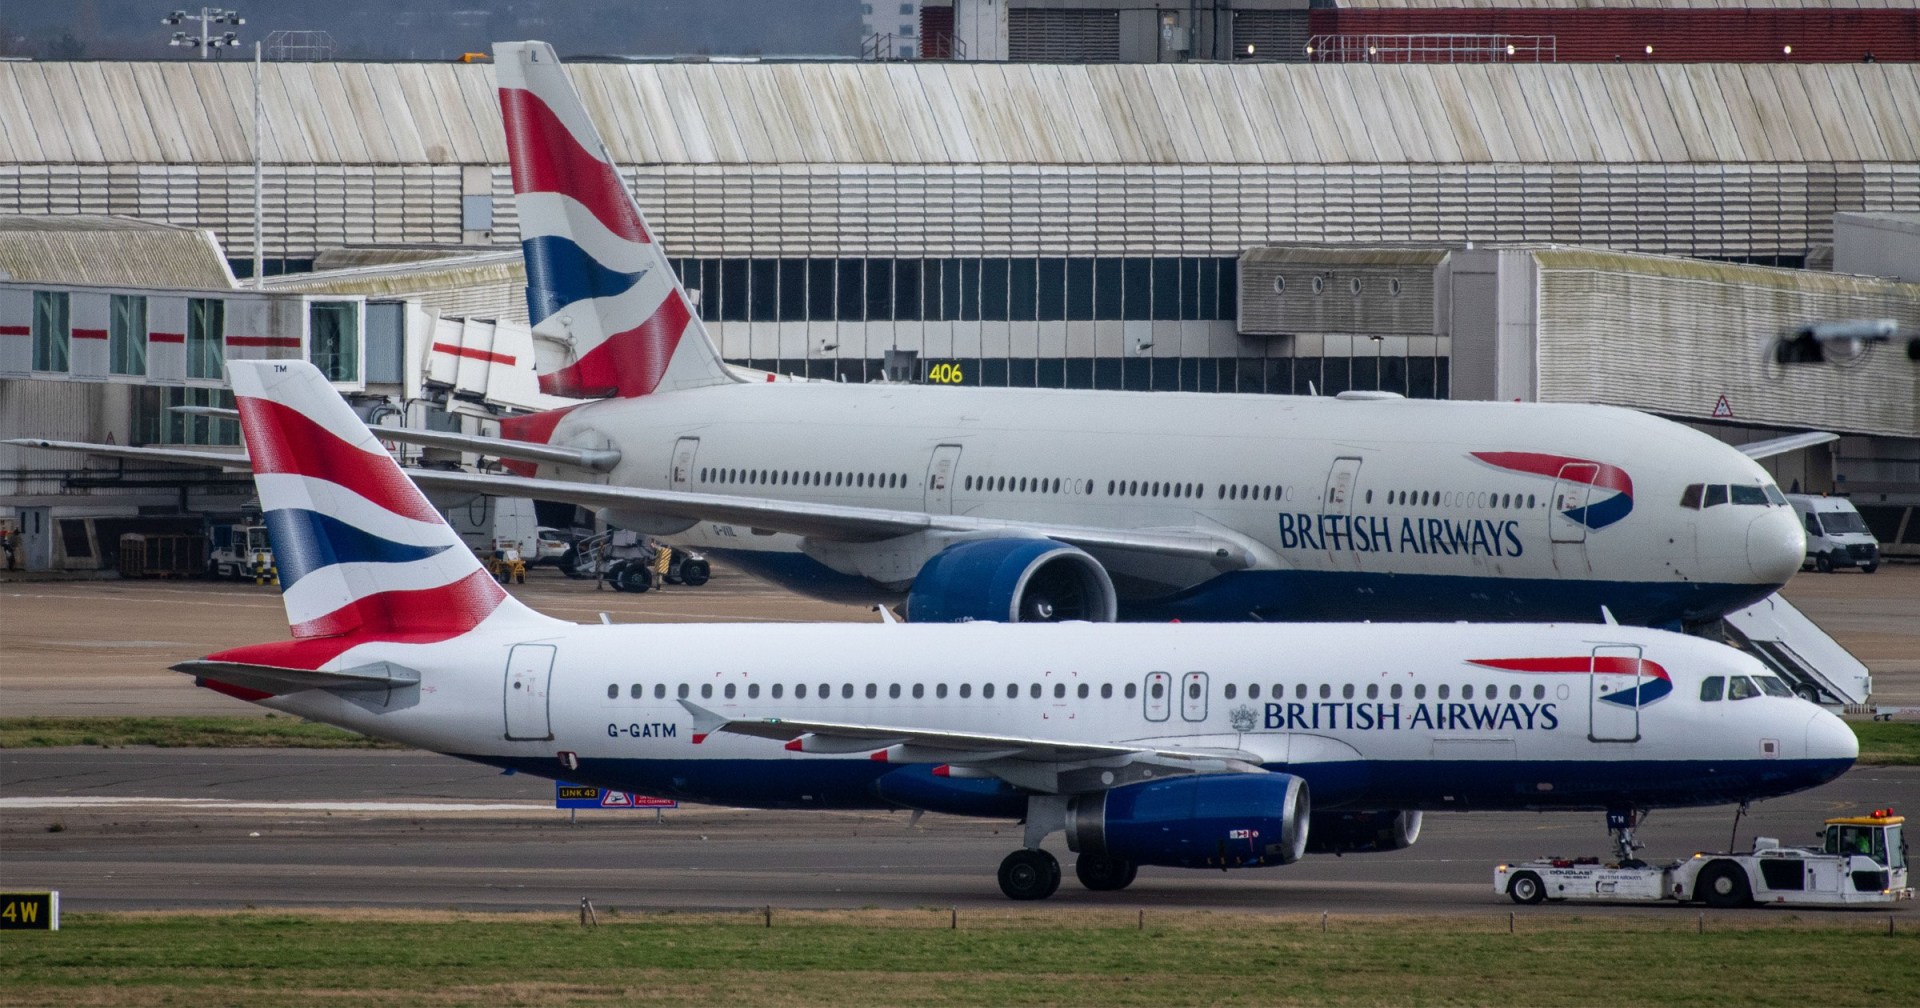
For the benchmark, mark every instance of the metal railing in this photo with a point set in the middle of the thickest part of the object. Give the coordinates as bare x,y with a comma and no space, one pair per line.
1437,47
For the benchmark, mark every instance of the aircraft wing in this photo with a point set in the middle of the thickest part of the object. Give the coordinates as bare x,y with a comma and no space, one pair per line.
1047,766
1782,445
838,522
180,456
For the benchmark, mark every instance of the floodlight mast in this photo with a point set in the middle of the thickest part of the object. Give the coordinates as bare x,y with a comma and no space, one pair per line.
209,16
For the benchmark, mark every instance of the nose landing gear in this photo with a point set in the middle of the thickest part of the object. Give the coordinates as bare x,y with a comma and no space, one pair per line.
1620,823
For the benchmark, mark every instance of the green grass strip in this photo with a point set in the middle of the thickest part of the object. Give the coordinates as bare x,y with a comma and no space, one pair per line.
273,731
1888,743
1088,956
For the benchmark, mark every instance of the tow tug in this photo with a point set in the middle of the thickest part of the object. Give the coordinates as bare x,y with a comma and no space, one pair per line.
1861,860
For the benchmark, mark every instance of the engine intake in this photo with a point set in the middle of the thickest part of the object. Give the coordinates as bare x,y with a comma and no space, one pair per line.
1355,832
1219,821
1012,581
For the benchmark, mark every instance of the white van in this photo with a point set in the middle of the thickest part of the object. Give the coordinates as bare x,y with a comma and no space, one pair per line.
1836,534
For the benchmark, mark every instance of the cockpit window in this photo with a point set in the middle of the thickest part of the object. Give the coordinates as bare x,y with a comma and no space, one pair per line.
1774,496
1741,688
1772,686
1712,687
1690,497
1749,495
1716,494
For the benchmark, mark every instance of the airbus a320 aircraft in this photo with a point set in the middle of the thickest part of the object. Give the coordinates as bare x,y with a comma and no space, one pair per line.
1179,745
1035,504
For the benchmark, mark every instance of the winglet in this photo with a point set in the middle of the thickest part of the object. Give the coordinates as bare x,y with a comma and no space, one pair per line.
705,722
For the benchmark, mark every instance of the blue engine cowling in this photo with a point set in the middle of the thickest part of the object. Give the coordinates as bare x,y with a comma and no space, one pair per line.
916,787
1357,832
1219,821
1012,581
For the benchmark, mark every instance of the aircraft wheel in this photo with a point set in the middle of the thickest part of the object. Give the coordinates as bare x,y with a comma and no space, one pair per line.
1723,886
1526,888
1823,563
695,572
1029,875
1101,873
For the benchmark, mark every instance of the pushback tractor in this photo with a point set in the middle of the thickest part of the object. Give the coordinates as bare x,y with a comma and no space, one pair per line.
1861,860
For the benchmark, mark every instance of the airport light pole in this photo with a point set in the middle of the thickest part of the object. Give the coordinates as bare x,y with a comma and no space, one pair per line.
209,16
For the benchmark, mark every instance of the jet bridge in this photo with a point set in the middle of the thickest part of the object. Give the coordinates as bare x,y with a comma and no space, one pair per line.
1784,639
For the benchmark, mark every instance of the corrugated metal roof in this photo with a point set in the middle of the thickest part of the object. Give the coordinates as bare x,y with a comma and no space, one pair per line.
959,113
110,252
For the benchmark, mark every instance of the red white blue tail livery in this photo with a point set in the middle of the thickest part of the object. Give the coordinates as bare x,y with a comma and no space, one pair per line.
362,554
597,283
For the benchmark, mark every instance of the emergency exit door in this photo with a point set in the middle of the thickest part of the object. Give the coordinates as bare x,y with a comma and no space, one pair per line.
940,476
529,679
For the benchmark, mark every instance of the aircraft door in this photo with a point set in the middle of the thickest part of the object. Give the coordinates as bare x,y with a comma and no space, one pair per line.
529,677
1158,685
681,474
941,472
1193,696
1342,482
1572,491
1613,694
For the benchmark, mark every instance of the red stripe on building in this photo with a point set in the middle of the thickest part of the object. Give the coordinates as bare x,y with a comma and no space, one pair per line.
15,330
89,334
166,337
286,342
475,354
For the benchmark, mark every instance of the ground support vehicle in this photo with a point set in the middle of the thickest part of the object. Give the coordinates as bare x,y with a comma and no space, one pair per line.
242,552
505,563
1862,860
1836,534
628,562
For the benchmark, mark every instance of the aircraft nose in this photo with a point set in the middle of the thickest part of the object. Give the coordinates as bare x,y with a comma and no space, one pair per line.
1775,545
1829,738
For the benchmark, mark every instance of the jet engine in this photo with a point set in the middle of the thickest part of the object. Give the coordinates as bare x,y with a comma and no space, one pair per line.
1217,821
1356,832
1012,581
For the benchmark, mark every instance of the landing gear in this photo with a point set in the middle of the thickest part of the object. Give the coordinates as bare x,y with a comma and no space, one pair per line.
1029,874
1101,873
1620,822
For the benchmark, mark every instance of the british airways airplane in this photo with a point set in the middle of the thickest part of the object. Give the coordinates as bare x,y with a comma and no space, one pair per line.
1035,504
1176,745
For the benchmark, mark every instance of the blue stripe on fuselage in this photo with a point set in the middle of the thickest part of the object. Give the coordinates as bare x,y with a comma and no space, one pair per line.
560,273
1317,596
1462,785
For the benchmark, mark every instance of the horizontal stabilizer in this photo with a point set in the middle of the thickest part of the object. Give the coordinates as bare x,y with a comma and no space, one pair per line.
277,680
1781,445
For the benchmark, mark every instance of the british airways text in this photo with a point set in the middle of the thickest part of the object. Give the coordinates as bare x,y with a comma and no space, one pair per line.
1351,716
1377,534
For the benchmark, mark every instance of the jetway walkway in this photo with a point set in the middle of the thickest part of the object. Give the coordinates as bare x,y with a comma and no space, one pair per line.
1785,640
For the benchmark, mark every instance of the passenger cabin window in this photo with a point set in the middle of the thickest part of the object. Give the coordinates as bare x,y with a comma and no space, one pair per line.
1712,687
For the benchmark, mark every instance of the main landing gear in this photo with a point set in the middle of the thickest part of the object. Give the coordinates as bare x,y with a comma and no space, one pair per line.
1032,874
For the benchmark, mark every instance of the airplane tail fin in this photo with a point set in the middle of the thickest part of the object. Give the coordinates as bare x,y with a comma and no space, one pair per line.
597,282
361,552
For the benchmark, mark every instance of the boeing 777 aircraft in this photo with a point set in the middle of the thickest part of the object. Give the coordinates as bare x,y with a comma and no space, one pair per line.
1035,504
1038,504
1178,745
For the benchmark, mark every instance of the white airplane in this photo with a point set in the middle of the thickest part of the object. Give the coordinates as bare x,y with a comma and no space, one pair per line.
1178,745
1025,504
